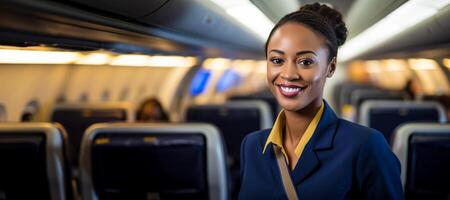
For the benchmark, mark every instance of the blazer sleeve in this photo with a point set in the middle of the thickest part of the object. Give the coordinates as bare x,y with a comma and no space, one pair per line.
378,170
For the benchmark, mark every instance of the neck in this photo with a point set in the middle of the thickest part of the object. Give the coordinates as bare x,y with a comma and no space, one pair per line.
298,121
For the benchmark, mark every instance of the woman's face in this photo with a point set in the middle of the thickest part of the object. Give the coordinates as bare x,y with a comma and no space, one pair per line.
151,112
297,66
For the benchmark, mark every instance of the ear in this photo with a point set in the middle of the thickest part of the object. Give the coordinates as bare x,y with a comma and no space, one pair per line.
331,67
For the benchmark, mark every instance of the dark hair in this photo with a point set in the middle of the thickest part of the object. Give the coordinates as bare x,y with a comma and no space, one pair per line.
322,19
154,102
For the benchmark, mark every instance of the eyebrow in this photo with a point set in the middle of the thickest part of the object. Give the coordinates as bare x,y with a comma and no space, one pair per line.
298,53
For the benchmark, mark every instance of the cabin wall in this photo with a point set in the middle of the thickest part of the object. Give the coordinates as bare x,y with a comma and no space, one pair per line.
21,84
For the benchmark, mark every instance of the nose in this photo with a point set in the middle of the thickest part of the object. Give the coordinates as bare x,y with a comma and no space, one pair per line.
289,72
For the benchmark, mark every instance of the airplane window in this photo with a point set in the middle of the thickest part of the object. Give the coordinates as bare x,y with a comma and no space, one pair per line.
61,98
124,94
228,80
84,97
2,113
432,78
105,95
199,82
30,112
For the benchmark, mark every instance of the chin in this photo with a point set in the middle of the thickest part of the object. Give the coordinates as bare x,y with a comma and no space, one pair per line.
291,105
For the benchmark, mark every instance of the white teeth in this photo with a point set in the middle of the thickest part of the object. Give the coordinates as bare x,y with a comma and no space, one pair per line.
289,89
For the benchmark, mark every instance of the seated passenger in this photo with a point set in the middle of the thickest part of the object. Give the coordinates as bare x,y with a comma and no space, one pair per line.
412,90
151,110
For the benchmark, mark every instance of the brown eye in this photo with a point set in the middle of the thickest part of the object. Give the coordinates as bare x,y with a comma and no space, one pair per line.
306,62
276,61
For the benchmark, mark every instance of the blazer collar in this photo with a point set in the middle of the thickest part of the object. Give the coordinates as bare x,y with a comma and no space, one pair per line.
325,131
322,139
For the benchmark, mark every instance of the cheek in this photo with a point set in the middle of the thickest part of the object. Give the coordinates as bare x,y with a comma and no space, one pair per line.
271,74
316,78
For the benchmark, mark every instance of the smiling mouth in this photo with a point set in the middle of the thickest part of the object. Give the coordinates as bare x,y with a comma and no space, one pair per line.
290,91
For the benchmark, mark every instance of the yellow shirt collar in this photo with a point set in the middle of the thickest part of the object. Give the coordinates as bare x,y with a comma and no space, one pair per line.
276,135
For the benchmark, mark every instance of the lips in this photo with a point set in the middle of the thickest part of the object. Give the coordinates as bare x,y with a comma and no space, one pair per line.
290,90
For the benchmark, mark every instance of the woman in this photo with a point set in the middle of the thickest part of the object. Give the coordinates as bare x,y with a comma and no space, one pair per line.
310,153
151,110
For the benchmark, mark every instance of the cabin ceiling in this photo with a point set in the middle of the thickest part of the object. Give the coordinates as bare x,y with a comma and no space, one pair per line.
180,26
358,15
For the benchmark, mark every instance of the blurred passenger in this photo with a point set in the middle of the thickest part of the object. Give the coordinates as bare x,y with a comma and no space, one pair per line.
151,110
412,90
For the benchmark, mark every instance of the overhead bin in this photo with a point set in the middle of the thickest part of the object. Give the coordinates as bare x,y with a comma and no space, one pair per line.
196,18
177,27
204,19
129,8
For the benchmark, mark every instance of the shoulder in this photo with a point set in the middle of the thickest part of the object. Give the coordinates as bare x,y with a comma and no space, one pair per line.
358,133
256,139
370,143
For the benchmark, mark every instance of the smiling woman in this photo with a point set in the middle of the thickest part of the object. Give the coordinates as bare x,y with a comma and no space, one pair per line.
310,153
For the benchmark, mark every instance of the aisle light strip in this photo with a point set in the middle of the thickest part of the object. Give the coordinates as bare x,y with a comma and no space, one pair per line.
248,15
37,57
94,59
410,13
131,60
16,56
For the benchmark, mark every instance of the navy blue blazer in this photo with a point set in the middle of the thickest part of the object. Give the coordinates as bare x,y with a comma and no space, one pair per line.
342,160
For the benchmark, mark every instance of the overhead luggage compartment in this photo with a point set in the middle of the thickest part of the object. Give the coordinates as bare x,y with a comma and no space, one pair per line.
198,19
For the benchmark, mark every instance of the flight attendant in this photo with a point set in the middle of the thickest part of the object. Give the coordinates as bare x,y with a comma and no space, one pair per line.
310,153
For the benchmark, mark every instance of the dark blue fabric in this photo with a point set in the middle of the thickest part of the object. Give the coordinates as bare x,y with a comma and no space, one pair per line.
23,166
387,120
342,160
173,166
76,121
428,175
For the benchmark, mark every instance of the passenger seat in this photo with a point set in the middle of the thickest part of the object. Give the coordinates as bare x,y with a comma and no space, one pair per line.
424,152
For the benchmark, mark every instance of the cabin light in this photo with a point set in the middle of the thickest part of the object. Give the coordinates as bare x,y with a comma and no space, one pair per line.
153,61
94,59
132,60
410,13
216,64
248,15
394,65
373,66
422,64
171,61
13,56
446,62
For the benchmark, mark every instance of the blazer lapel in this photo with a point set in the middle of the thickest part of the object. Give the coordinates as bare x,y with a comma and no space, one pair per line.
271,162
269,158
321,140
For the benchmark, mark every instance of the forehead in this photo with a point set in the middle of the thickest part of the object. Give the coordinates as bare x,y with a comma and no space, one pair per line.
296,36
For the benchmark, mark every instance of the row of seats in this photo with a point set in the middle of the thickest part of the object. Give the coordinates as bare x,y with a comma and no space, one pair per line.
386,116
174,161
417,131
76,118
234,120
118,161
424,153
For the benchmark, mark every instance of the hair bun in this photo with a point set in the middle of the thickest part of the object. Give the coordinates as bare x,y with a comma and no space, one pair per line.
332,17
